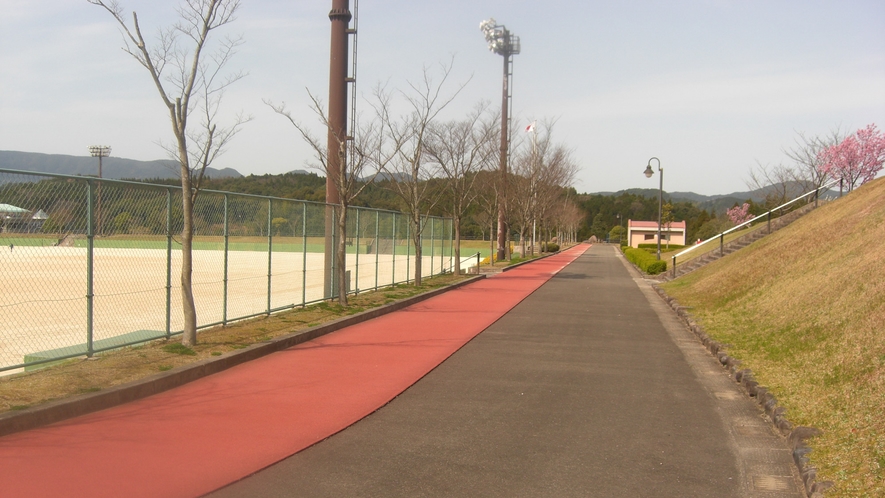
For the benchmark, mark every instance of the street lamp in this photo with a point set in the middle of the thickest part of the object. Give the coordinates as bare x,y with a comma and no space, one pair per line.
99,151
648,174
507,45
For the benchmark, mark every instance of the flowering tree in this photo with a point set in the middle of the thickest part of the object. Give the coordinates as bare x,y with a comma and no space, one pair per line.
739,214
858,158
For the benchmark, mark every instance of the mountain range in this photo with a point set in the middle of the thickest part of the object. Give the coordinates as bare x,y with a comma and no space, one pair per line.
121,168
112,167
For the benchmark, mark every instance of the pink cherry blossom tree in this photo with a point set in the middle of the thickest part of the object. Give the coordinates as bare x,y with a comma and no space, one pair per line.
739,214
858,158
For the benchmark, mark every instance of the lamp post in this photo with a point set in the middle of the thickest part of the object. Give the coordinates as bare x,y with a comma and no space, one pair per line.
503,43
99,151
648,174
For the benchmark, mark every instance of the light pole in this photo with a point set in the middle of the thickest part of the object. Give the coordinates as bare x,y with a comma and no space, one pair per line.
648,174
99,151
507,45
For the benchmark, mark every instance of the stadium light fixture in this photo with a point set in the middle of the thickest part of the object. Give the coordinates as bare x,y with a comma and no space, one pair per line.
503,43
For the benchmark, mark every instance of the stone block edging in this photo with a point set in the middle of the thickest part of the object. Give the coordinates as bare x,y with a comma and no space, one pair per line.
56,411
796,436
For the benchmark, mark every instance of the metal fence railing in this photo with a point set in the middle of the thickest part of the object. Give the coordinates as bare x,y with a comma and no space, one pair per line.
90,264
767,216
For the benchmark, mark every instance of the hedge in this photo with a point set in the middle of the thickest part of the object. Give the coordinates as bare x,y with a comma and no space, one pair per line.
645,261
663,246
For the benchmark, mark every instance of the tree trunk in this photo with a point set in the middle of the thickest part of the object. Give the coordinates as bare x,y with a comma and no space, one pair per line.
341,254
416,238
189,309
522,242
457,221
492,244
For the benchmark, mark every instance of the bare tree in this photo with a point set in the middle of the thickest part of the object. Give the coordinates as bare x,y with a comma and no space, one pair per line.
776,183
408,171
369,155
806,154
488,185
522,195
554,170
193,83
460,149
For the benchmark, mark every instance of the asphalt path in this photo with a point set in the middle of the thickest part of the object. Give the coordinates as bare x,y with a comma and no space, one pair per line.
589,387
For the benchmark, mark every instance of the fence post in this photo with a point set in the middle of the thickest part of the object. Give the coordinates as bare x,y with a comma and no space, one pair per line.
90,245
721,245
356,245
269,250
431,247
674,266
226,261
168,263
769,223
333,275
303,254
408,249
442,248
393,251
377,220
452,245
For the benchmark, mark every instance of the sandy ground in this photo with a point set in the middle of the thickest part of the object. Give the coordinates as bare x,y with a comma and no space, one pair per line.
43,302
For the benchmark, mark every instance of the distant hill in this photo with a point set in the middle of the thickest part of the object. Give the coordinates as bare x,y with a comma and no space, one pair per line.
713,203
112,167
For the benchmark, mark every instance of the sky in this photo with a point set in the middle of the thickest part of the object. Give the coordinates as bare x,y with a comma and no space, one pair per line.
713,88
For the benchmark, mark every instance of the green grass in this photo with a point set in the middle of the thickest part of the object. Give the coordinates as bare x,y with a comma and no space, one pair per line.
807,318
179,348
708,247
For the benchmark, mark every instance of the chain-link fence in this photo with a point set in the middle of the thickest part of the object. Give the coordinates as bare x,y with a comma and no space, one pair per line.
92,264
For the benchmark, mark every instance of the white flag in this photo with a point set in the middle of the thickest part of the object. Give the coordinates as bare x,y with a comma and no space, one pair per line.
530,128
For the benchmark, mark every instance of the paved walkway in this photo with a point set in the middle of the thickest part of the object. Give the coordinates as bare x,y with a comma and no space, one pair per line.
588,387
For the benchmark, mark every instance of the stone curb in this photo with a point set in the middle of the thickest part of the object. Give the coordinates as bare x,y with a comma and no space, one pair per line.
539,258
796,436
56,411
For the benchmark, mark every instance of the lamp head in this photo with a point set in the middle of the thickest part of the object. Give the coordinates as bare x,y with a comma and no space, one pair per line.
648,171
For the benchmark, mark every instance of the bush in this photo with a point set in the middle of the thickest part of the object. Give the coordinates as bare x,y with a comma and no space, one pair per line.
552,247
646,261
657,267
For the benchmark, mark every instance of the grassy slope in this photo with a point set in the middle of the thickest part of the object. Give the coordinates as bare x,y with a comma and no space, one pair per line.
805,310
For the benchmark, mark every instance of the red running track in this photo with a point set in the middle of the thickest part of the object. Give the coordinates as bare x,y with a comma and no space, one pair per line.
204,435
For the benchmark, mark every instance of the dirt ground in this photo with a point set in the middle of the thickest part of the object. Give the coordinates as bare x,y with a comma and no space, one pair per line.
80,375
44,294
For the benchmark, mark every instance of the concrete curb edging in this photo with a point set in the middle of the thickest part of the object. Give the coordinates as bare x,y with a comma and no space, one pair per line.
796,436
56,411
517,265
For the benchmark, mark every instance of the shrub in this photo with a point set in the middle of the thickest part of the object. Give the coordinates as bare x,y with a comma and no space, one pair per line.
552,247
657,267
646,261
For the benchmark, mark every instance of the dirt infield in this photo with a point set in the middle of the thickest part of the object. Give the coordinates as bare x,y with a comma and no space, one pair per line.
44,295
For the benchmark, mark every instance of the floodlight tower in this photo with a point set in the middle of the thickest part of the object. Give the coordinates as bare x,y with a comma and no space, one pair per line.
505,44
99,151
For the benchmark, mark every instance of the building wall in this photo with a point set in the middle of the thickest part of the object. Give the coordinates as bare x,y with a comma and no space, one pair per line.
638,236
